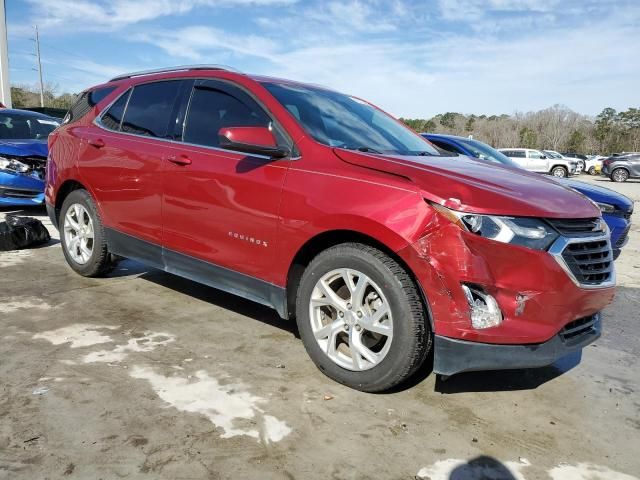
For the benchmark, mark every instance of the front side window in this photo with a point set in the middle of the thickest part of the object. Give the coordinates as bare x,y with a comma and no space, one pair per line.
24,126
534,154
211,109
151,108
338,120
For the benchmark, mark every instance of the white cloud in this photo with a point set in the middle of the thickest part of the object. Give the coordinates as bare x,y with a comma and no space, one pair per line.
117,14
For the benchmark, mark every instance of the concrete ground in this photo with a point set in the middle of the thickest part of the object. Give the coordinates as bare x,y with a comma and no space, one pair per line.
146,375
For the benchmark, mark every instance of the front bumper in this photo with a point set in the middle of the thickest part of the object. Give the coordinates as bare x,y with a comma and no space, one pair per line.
17,189
455,356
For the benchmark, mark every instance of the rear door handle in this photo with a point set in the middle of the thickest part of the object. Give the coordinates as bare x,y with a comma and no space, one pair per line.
181,159
96,142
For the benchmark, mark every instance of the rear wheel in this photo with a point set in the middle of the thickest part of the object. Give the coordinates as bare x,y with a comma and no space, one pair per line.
559,172
361,318
82,235
619,175
592,170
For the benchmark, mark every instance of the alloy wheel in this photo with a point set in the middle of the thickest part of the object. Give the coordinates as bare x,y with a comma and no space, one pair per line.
351,319
620,175
78,233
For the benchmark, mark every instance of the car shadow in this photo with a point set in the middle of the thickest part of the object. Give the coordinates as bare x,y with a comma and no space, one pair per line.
221,299
507,380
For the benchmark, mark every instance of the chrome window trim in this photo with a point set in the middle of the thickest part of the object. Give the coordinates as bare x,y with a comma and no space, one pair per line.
97,121
561,243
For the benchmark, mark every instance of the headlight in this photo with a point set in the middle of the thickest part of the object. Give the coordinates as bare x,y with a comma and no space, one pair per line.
524,231
606,207
13,165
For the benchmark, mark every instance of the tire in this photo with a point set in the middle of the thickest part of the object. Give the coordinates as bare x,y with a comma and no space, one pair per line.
560,172
387,283
99,261
619,175
592,171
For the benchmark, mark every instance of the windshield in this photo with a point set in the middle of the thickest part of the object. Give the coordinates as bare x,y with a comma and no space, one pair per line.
339,120
485,152
24,126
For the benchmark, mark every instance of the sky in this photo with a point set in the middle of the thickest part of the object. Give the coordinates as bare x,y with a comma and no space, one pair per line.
412,58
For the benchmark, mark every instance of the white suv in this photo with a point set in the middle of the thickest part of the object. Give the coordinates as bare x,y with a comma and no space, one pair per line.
553,155
536,161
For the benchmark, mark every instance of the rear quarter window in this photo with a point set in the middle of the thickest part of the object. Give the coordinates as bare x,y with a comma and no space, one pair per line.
85,102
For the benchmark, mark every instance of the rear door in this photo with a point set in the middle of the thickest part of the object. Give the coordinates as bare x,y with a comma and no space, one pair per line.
221,206
536,163
136,134
518,156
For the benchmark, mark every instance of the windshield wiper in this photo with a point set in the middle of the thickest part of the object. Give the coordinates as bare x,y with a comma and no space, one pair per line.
425,154
364,149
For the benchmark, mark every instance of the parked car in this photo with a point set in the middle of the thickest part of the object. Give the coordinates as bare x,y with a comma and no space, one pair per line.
325,208
616,208
553,155
536,161
578,156
619,168
593,164
23,156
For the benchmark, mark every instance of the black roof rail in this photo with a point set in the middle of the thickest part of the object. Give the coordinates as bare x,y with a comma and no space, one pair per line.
179,68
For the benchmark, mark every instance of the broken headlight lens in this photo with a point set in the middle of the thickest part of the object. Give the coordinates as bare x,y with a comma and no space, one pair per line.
524,231
13,165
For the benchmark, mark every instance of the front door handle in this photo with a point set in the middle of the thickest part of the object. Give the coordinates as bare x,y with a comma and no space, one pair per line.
181,159
96,142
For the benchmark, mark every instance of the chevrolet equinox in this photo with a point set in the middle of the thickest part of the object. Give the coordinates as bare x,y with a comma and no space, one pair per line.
330,211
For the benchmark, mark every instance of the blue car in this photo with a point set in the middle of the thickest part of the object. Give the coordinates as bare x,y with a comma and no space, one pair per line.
616,208
23,156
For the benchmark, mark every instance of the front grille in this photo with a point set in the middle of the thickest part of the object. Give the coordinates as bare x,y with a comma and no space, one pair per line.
574,227
591,262
623,237
577,328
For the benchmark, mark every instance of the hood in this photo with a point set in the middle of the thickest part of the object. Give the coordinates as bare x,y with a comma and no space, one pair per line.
598,193
474,186
24,148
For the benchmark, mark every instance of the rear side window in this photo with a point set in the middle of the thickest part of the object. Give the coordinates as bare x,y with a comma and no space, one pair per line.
85,102
112,119
211,109
151,108
516,154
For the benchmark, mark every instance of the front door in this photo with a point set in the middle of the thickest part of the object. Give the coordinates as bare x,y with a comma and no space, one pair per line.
219,206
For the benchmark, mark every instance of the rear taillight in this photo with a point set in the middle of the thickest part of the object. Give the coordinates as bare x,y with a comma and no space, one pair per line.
607,161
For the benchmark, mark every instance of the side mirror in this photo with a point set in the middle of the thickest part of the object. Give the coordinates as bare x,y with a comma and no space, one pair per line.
252,140
543,157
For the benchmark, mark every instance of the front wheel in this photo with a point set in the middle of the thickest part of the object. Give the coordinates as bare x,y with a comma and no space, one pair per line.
361,318
559,172
619,175
592,170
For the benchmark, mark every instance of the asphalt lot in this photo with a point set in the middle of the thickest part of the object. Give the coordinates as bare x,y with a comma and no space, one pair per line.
146,375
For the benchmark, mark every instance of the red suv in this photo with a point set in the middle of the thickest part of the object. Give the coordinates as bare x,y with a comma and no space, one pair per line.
322,206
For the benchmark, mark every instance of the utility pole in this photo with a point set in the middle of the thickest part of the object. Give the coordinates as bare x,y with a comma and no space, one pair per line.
5,86
39,67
